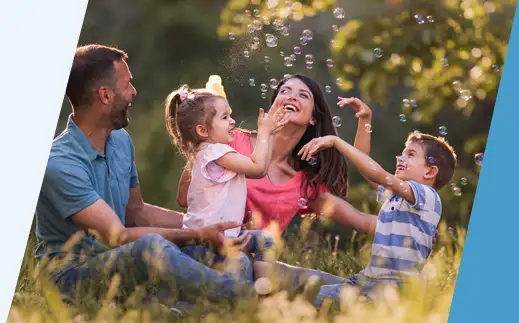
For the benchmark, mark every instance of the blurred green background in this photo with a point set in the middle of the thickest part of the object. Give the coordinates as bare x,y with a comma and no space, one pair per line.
447,55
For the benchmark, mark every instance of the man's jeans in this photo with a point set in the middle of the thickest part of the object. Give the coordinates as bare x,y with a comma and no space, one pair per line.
174,274
153,259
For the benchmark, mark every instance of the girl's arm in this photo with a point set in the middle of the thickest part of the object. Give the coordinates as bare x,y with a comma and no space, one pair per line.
256,165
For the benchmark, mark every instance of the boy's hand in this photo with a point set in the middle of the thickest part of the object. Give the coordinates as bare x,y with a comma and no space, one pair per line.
361,109
315,146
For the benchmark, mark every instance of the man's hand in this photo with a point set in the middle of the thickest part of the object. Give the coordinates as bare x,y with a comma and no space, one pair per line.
214,234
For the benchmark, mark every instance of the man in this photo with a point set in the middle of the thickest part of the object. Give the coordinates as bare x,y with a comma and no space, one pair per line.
91,219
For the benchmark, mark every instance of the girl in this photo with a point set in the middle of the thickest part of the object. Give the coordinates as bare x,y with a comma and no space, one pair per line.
202,128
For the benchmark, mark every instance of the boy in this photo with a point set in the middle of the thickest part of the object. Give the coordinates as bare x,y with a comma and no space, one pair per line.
410,212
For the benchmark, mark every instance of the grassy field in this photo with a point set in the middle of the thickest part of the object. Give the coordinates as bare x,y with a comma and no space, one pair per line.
36,300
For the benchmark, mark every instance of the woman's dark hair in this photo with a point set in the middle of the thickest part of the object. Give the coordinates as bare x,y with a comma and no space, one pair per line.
331,168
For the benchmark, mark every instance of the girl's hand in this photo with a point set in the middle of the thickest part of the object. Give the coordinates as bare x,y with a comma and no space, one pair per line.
275,120
315,146
362,111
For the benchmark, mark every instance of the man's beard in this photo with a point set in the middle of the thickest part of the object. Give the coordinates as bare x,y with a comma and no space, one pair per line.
119,114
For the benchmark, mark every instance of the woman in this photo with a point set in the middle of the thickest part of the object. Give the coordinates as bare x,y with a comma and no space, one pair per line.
294,186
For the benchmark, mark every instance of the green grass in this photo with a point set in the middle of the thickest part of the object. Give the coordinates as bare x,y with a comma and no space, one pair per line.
36,300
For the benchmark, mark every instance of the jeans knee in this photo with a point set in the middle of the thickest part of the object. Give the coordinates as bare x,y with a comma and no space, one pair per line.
150,243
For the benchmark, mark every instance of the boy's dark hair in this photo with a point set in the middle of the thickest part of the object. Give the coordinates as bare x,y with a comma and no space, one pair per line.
93,66
437,153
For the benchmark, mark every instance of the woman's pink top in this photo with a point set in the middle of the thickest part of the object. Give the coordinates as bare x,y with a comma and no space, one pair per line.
268,202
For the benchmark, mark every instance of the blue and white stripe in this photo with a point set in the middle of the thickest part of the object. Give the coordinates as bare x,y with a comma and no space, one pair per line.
404,233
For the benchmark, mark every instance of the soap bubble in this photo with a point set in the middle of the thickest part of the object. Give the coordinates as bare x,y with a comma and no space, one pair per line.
337,121
271,40
338,13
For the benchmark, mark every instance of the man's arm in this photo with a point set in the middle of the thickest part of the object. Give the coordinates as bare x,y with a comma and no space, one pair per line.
344,213
140,214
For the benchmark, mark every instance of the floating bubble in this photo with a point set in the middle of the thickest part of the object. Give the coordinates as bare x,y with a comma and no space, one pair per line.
274,83
246,53
457,191
406,103
252,82
328,89
463,181
231,36
278,23
368,128
309,59
445,62
293,56
263,96
334,44
452,185
338,13
419,19
309,66
284,31
286,76
257,25
256,40
271,40
256,13
303,41
335,28
389,180
450,231
308,34
402,118
250,28
266,20
312,161
297,50
495,68
430,19
282,53
414,104
247,12
337,121
442,130
338,81
329,62
288,61
302,203
456,85
266,59
378,52
465,95
478,159
263,87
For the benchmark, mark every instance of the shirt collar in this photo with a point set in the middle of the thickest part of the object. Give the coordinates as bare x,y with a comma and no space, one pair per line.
82,139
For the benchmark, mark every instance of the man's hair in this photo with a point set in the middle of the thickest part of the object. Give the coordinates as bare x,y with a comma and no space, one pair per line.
92,67
437,153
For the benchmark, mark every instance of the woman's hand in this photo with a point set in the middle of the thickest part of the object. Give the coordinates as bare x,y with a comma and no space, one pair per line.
362,111
315,146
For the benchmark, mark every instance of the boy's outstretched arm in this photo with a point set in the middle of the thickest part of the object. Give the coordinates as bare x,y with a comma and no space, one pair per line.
370,169
363,136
